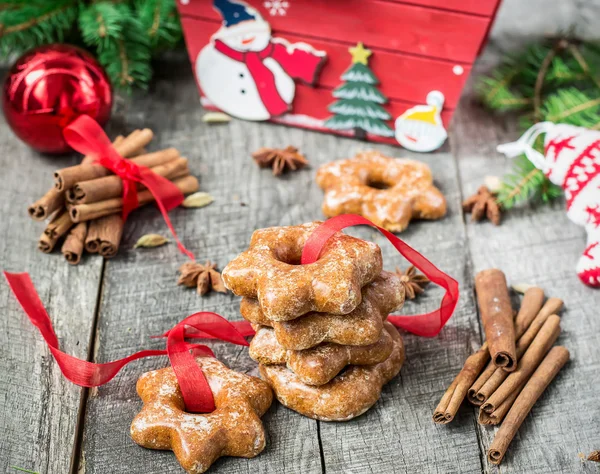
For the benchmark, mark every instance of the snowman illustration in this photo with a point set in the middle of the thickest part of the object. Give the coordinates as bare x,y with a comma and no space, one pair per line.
571,161
246,72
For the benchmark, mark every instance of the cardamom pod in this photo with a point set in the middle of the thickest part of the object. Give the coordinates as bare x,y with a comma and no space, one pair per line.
521,287
216,117
198,199
150,241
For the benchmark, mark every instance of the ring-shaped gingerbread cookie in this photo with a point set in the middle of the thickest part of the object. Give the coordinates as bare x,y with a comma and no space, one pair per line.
388,191
347,396
198,440
360,327
269,271
318,365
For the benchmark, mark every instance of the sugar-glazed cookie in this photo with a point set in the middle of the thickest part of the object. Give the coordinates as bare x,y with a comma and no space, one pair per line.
359,328
388,191
347,396
198,440
318,365
269,271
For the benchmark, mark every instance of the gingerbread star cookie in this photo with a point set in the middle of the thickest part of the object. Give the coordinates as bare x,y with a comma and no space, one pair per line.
388,191
198,440
318,365
269,271
358,328
347,396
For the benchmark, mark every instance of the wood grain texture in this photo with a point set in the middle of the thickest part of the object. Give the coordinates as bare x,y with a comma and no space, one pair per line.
140,297
539,246
389,438
38,407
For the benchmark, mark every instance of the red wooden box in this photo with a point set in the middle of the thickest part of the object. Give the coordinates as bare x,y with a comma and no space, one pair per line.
239,49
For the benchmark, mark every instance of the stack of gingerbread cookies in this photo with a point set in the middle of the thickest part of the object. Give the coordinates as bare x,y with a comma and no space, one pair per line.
322,340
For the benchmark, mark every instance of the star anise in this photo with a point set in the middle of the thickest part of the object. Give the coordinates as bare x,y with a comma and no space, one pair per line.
414,283
203,277
483,204
280,160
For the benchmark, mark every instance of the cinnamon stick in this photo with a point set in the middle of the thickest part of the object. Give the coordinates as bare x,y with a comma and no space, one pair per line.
105,235
72,248
109,187
92,239
496,417
46,205
58,226
67,177
545,373
85,212
528,363
533,299
498,376
497,317
454,396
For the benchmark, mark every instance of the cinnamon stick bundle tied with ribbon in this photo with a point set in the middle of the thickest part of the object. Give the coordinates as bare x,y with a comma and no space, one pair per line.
87,137
166,163
85,212
67,177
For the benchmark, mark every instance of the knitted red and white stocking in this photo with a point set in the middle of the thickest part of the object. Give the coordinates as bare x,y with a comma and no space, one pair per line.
572,161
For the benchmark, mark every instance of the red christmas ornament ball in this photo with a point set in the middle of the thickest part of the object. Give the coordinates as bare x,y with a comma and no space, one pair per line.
50,86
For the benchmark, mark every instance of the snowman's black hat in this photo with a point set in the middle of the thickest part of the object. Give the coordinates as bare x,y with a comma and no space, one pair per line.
235,12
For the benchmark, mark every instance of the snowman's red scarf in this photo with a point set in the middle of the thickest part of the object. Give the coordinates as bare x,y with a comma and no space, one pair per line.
297,63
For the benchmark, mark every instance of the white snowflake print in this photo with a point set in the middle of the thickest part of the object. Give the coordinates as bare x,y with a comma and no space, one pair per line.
277,7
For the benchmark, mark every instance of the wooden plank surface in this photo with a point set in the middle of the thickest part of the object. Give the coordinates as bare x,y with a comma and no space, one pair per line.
389,438
38,407
540,246
140,296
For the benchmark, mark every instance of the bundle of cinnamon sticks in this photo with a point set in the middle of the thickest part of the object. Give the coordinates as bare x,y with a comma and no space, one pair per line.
84,205
511,370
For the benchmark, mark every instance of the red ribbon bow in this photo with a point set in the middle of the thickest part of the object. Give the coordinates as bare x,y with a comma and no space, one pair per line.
87,137
194,387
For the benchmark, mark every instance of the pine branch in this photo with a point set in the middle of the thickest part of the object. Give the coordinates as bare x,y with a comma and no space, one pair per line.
100,23
495,94
159,19
556,81
126,56
24,25
573,107
526,183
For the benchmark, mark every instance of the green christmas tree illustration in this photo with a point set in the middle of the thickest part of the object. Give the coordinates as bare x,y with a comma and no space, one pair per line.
359,104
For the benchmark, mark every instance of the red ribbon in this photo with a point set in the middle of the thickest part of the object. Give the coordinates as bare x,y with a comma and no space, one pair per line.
87,137
194,387
429,324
